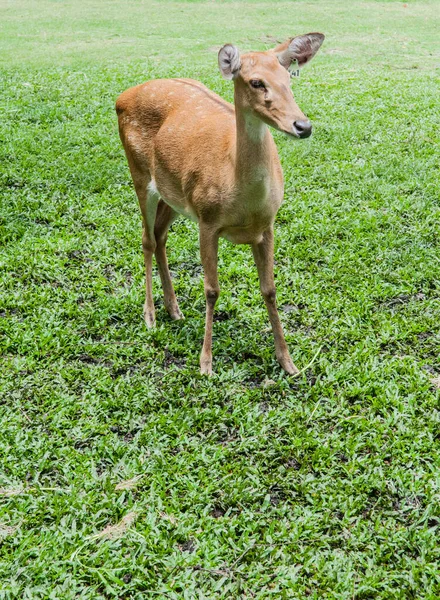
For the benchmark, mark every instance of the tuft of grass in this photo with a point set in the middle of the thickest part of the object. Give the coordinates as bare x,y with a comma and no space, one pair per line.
250,484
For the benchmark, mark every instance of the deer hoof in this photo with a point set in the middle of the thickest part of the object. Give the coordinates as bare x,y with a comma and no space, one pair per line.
206,367
176,314
149,318
288,366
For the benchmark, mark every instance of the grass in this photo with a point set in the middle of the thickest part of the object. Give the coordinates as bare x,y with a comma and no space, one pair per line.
123,472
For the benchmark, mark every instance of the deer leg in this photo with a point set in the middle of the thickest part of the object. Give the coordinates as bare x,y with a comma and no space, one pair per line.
148,201
164,217
208,253
263,256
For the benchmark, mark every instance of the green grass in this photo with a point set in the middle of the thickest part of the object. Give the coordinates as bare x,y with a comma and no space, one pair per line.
250,484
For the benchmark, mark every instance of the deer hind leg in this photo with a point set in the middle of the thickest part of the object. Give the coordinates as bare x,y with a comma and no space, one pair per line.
164,217
148,200
263,256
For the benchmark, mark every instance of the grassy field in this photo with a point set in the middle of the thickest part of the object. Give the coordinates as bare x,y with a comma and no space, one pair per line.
123,472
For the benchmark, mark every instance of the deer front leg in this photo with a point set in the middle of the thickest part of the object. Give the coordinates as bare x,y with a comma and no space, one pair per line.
263,256
208,254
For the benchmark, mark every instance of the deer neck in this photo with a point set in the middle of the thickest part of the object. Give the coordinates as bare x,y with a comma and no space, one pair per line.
253,148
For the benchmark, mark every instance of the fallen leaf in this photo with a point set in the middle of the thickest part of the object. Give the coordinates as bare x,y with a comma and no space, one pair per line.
436,382
6,530
10,492
268,382
112,532
169,518
128,484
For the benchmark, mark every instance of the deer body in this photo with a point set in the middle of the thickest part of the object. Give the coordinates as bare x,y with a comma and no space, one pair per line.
202,175
192,153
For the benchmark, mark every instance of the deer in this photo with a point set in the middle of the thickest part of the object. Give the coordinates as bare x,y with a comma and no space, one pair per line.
191,153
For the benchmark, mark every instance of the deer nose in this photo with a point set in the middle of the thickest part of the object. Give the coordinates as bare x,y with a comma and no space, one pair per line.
303,128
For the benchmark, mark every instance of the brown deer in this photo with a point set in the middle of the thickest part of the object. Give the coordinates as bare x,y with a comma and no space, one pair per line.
192,153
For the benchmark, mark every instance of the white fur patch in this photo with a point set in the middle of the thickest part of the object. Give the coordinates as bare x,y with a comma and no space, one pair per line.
152,189
255,129
151,207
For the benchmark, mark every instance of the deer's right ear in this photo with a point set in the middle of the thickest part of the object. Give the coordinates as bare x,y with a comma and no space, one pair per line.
301,49
229,61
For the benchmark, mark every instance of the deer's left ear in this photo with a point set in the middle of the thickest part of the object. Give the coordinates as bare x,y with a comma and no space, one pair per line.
301,49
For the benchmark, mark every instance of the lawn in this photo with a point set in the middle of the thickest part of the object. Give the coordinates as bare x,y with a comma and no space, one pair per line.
123,472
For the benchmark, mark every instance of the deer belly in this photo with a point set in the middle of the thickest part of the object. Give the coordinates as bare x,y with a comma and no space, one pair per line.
243,235
173,199
185,211
248,227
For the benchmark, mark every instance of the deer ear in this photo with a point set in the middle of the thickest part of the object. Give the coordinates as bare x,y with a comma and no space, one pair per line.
229,61
301,49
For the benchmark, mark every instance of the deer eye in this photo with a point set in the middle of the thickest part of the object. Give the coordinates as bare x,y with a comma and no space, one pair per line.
257,83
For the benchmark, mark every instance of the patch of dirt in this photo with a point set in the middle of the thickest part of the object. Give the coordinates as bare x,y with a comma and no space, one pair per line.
424,335
88,360
251,356
188,546
170,360
14,184
402,299
217,512
222,315
294,464
102,466
79,255
195,270
277,495
82,444
227,436
252,382
289,308
41,221
109,273
91,226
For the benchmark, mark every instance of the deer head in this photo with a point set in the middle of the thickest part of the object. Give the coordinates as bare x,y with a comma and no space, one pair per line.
262,81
